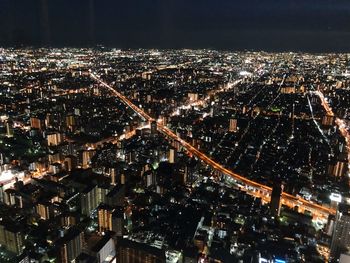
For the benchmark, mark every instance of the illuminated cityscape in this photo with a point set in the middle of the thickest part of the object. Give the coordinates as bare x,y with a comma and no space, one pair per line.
187,131
148,155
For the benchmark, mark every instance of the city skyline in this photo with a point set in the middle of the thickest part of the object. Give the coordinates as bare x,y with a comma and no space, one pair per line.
173,156
163,131
269,25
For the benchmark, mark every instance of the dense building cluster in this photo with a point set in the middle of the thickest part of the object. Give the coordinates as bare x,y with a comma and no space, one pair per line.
86,178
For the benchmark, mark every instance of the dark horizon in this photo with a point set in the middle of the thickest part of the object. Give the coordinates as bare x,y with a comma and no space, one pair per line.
270,25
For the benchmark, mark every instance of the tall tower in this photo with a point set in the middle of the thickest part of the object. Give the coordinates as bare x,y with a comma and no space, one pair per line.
275,204
341,232
9,128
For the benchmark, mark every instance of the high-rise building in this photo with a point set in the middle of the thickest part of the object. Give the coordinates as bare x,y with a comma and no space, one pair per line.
118,221
36,123
69,219
327,120
193,96
70,162
87,155
150,178
45,210
111,219
11,238
70,246
123,178
104,215
54,139
54,157
337,168
89,199
111,172
102,248
70,122
133,252
275,204
172,155
9,128
233,125
48,120
9,197
341,232
55,168
102,192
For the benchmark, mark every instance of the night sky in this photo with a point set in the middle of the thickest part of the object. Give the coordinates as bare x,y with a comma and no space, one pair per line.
272,25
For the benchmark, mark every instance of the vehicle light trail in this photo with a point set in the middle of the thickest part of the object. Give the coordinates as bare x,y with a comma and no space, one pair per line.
339,122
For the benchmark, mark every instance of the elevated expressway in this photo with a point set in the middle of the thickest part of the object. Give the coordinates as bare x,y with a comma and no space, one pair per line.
250,187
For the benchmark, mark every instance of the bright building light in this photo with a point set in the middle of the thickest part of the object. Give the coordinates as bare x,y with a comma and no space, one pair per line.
8,176
335,197
245,73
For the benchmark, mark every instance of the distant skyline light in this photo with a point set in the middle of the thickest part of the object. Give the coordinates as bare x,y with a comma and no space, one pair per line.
289,25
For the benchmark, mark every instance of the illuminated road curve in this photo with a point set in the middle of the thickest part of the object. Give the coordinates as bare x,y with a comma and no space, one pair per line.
251,187
339,122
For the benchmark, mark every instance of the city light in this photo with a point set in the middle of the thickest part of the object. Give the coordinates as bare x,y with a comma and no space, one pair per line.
160,146
335,197
7,177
